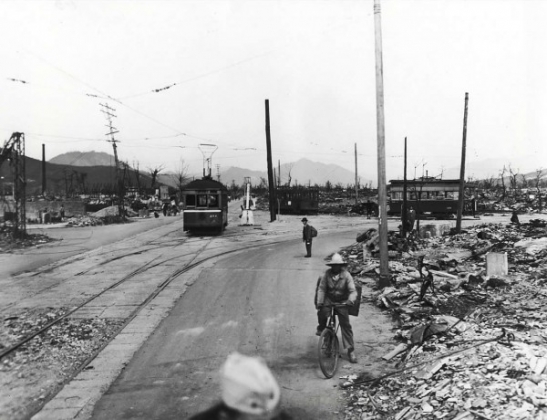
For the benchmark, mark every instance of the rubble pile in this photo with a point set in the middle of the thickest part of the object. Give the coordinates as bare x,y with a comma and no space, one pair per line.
87,220
36,369
10,243
469,345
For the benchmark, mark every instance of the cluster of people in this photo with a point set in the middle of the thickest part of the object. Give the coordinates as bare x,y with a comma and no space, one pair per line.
170,208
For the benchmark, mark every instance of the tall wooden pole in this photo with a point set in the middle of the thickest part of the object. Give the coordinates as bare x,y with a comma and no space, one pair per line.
405,204
462,168
44,169
382,196
270,164
356,178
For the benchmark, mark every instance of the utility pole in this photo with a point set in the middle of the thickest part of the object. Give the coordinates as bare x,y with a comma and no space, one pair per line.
382,197
356,178
270,165
278,173
218,172
43,170
404,210
462,167
108,111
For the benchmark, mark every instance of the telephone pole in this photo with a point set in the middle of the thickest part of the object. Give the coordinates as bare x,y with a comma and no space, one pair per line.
109,114
382,197
356,178
462,167
270,166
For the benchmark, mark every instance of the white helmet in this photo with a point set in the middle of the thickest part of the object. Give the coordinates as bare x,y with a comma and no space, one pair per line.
336,259
248,385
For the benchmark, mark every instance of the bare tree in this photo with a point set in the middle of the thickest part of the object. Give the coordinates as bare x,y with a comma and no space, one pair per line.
513,179
136,169
502,181
289,170
154,172
488,183
539,173
180,176
263,186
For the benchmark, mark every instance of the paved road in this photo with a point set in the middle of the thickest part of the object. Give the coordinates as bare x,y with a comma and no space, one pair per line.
72,241
259,303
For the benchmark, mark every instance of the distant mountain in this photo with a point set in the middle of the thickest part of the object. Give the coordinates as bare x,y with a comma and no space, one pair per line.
302,172
84,159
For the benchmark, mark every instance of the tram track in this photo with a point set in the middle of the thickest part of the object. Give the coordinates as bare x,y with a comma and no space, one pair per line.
142,269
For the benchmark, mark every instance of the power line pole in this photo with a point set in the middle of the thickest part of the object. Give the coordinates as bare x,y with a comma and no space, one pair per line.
108,111
356,178
462,167
405,204
218,172
270,166
43,169
382,197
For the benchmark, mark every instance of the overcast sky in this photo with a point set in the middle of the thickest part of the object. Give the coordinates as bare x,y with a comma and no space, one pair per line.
185,73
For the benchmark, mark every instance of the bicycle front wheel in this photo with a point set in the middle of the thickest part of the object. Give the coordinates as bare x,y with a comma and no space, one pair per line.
329,352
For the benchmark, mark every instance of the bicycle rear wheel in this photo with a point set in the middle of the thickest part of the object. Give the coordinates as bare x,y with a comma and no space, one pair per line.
329,352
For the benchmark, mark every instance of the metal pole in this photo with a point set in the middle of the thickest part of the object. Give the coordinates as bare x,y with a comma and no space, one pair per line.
462,168
382,199
270,164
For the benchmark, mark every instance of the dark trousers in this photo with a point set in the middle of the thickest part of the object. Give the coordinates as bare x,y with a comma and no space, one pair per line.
308,248
343,319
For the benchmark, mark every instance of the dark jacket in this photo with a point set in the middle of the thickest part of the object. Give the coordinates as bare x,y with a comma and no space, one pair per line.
306,233
336,291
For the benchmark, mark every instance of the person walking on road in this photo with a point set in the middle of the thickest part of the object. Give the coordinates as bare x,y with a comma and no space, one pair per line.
308,233
249,392
336,286
515,218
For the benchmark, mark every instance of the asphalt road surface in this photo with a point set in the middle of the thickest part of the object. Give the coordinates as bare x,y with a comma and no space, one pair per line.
258,302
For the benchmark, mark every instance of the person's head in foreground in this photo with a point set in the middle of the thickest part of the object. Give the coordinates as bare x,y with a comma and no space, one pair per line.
249,391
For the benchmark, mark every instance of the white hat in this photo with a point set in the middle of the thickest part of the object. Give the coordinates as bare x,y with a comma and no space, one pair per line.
336,259
248,385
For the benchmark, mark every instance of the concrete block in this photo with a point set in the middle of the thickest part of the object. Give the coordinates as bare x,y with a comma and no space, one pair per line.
496,264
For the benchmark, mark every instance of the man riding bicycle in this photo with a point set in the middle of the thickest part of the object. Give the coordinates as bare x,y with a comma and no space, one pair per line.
336,286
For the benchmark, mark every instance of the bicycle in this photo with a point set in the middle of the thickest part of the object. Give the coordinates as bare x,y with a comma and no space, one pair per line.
329,347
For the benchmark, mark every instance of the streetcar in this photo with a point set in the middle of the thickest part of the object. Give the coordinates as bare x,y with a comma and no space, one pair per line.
297,200
205,204
429,197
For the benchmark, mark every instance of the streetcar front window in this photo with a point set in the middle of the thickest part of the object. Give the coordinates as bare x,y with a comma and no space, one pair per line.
213,201
202,200
190,200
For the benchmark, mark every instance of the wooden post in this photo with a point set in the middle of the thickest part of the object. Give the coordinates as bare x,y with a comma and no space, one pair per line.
271,189
43,169
356,178
462,168
405,204
382,199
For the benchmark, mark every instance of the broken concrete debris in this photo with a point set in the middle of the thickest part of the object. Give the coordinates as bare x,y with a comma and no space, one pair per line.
473,344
